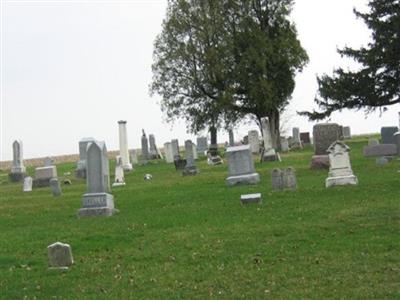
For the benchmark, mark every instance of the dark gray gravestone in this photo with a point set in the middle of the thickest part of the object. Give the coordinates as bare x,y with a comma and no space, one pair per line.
145,147
55,187
241,166
18,170
190,168
324,136
60,255
387,134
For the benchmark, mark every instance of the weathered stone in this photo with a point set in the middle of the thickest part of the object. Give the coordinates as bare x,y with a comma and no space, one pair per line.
320,162
55,187
123,146
214,160
268,153
190,168
382,161
134,157
195,154
347,132
27,184
231,138
169,155
296,141
202,145
387,134
283,179
18,170
60,255
179,163
324,135
340,172
175,148
277,180
48,161
43,176
153,147
251,198
380,150
97,201
284,144
119,179
80,171
305,138
145,148
340,133
254,142
241,166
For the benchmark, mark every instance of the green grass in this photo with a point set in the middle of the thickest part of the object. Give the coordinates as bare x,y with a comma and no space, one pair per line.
189,238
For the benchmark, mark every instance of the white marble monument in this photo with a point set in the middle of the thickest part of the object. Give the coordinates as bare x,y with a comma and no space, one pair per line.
123,146
241,166
119,179
18,170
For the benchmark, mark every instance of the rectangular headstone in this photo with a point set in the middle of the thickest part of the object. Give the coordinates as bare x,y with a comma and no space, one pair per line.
241,166
380,150
251,198
387,134
55,187
325,135
254,141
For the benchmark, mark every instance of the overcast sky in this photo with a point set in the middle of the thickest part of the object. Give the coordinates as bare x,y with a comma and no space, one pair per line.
72,69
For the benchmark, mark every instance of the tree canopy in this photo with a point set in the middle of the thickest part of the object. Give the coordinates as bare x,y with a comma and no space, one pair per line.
216,62
377,83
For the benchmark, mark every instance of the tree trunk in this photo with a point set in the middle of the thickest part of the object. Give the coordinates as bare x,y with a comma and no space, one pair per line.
213,143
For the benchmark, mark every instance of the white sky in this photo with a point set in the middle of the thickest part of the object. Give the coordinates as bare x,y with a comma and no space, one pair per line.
72,69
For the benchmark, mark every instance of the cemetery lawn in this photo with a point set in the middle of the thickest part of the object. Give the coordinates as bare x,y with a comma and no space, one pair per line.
189,238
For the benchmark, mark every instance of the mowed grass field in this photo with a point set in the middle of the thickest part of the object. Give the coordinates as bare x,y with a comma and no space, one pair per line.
190,238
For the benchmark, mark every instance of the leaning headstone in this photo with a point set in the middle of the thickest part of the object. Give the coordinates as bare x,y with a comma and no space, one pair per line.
119,179
43,176
169,155
60,256
324,135
251,198
254,141
296,141
18,170
202,145
268,153
48,161
153,148
55,187
97,201
305,138
134,157
340,172
123,146
145,148
284,144
27,184
80,171
382,161
347,132
241,166
231,138
387,134
190,168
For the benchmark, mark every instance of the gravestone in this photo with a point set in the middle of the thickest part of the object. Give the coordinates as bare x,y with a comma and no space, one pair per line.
347,132
296,141
387,134
97,201
380,150
169,155
134,157
153,148
123,146
175,148
55,187
145,148
340,172
241,166
27,184
195,154
190,168
268,153
231,138
251,198
254,141
324,135
305,138
283,179
202,145
179,164
340,133
80,171
18,170
396,138
48,161
43,176
60,255
119,179
284,144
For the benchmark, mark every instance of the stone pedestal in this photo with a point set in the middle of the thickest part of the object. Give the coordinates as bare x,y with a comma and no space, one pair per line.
241,166
55,187
123,146
97,204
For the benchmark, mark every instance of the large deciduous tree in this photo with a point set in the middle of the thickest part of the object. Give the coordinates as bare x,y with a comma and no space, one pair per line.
216,62
377,83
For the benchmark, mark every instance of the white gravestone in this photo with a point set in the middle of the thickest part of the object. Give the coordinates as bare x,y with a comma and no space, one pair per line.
241,166
169,155
340,172
27,184
43,176
269,153
119,179
195,154
254,141
134,156
60,256
123,146
97,201
202,145
18,170
296,142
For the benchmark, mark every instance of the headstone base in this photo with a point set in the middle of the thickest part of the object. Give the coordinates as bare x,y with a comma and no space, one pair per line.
97,212
42,182
180,164
296,146
320,162
246,179
16,177
116,184
190,171
269,155
80,173
97,204
342,180
215,160
127,167
251,198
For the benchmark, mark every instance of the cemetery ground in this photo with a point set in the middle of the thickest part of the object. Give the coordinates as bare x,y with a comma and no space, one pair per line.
189,237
